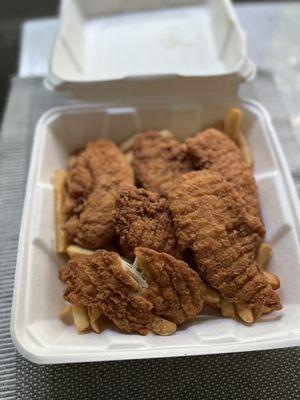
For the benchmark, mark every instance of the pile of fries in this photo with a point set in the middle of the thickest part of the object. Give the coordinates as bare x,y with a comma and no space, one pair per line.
87,319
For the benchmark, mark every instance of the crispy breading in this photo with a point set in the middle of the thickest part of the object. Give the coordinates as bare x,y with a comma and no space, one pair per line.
213,150
144,219
158,160
210,220
175,290
95,177
100,280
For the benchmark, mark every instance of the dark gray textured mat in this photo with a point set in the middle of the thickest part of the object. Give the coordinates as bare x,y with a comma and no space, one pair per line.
270,374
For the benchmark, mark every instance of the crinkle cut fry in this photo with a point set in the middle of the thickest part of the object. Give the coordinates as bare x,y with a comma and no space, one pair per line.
223,236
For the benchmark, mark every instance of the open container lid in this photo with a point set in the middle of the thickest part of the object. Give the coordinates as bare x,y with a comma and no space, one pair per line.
103,45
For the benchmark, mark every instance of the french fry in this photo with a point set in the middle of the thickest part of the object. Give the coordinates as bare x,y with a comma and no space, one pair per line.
227,308
165,133
267,310
66,315
162,327
81,318
59,188
258,312
212,297
71,161
245,148
96,326
128,144
129,156
94,313
245,313
263,254
233,123
74,251
272,279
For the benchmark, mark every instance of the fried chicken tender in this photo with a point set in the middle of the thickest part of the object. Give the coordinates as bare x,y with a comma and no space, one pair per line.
175,290
210,220
95,177
213,150
158,160
144,219
100,280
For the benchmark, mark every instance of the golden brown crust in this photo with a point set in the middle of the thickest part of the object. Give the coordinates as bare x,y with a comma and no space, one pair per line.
143,219
213,150
210,220
159,160
99,280
95,177
175,290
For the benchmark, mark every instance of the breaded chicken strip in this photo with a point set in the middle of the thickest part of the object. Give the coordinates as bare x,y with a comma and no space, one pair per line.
213,150
210,220
143,219
175,290
158,160
100,280
95,177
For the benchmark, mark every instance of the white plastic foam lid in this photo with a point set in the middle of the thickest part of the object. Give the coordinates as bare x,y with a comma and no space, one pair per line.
108,48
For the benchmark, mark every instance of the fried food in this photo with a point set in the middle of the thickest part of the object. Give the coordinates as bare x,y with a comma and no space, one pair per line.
245,149
162,327
158,160
143,219
100,280
227,308
263,254
175,290
95,314
245,313
210,220
212,297
74,251
213,150
66,315
81,319
60,218
233,125
94,179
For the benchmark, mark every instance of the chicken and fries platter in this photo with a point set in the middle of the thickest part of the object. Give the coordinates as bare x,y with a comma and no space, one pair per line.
160,218
156,229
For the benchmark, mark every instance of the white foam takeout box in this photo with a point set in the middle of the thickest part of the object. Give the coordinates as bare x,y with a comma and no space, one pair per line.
149,67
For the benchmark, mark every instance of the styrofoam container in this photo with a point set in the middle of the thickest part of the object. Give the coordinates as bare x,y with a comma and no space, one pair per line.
36,330
101,42
148,66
